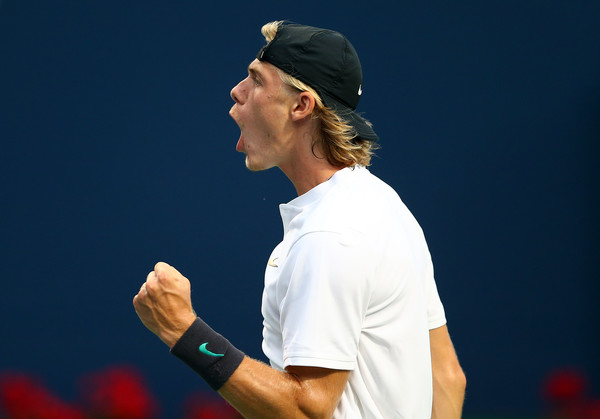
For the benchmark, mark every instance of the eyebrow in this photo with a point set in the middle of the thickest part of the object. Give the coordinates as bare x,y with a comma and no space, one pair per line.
253,72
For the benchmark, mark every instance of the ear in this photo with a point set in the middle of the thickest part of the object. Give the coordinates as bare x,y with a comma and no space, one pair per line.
303,106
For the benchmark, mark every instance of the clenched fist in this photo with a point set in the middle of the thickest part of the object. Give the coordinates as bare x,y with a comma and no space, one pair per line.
164,303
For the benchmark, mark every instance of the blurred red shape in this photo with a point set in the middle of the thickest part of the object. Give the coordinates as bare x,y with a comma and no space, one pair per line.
118,393
565,390
565,386
24,397
207,406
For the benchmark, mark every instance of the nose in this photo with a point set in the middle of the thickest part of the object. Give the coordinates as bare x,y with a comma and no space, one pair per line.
237,93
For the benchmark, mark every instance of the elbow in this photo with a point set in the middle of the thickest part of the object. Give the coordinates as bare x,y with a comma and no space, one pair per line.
315,408
460,380
317,391
314,403
452,379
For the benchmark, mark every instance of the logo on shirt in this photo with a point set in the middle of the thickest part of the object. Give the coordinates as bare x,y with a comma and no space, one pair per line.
272,262
205,351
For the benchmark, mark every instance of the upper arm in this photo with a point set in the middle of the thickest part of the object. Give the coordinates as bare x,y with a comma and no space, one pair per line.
320,389
326,278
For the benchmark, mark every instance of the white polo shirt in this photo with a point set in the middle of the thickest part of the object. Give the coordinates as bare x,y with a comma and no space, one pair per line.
351,287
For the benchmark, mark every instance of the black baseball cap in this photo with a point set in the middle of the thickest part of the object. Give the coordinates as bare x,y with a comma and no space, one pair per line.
326,61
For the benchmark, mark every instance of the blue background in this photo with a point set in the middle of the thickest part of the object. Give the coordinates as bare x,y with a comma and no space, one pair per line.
117,151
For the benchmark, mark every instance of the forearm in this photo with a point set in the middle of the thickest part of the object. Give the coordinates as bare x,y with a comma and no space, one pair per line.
448,397
253,388
449,381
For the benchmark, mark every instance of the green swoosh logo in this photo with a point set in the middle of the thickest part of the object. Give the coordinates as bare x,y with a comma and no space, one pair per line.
205,351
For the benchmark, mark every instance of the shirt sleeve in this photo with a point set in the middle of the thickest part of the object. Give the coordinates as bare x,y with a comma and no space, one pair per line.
436,316
325,302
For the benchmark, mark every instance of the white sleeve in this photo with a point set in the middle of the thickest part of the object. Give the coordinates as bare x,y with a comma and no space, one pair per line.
436,316
325,302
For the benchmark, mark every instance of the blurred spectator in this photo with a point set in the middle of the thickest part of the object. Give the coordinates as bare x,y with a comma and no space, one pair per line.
118,393
24,397
566,393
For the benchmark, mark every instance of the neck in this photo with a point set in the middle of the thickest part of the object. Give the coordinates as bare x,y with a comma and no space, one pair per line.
304,181
308,167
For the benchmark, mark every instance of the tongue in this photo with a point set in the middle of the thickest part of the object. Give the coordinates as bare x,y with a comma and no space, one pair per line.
240,145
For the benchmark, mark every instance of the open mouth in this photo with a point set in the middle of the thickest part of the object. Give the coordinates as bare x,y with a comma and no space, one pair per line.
240,144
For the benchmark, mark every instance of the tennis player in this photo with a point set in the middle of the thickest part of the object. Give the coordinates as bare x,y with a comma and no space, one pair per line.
353,324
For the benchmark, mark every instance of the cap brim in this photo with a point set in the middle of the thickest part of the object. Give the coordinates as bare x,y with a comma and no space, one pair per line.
361,126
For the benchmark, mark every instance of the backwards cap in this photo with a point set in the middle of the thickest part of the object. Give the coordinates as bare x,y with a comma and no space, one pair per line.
326,61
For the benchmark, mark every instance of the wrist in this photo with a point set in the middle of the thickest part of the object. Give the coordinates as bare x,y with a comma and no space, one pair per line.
208,353
172,336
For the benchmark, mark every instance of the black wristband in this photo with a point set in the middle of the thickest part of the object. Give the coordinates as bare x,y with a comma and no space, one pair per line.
208,353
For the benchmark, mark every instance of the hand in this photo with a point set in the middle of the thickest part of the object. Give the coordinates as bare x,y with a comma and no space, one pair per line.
164,303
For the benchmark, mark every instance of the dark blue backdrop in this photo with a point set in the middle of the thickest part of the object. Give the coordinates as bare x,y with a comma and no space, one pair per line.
117,151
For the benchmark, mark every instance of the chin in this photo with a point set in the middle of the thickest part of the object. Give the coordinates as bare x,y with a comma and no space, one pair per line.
254,166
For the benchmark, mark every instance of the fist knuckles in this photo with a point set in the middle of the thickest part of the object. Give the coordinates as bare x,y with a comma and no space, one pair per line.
162,275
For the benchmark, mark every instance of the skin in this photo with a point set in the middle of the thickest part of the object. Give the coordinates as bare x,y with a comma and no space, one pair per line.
276,130
449,381
255,389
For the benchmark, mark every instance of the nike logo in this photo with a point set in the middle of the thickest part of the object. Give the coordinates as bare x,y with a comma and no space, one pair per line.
205,351
272,262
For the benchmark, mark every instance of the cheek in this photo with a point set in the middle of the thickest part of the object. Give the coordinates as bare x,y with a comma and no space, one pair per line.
274,114
263,117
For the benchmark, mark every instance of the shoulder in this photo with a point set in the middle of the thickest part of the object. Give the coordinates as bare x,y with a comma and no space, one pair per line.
358,199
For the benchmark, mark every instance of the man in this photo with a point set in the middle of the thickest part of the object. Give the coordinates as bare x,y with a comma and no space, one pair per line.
353,325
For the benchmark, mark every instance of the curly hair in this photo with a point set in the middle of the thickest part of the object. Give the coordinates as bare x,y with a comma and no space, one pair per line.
337,138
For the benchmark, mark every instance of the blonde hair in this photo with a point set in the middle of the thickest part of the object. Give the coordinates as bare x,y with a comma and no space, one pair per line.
338,139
